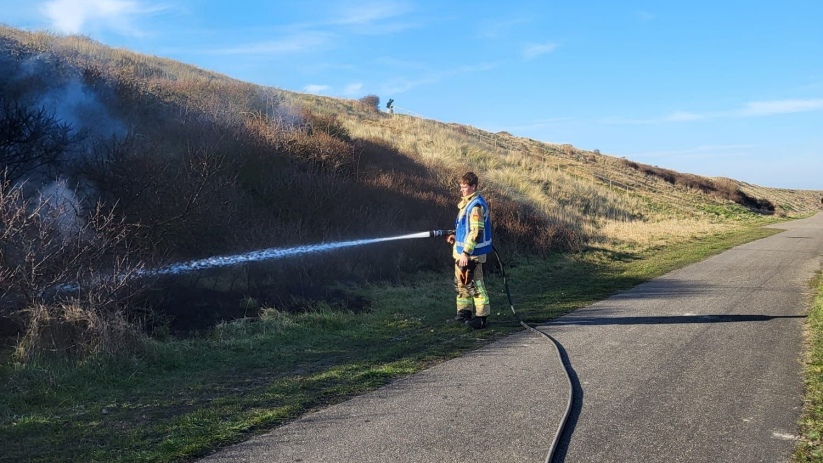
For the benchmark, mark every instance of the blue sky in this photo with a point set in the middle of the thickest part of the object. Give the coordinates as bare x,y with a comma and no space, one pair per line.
728,88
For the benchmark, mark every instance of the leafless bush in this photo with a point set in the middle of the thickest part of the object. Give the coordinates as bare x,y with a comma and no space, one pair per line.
629,163
728,189
371,102
69,272
327,124
179,196
30,138
320,151
520,228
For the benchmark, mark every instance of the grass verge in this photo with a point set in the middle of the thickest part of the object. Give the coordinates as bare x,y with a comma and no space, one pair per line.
181,399
810,445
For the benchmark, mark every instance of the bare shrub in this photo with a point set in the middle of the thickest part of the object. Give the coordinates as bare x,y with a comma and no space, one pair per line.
461,129
519,228
321,151
628,163
178,198
327,124
370,102
30,139
68,273
730,190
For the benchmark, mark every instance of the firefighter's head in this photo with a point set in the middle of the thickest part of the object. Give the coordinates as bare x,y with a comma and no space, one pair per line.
468,183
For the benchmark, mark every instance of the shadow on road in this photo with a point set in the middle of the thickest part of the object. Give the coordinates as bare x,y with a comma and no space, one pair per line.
668,319
577,402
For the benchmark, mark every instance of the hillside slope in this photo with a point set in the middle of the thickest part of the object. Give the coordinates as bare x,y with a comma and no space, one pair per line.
115,162
187,158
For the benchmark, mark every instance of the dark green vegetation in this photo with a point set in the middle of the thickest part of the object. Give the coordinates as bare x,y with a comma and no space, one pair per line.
810,446
178,399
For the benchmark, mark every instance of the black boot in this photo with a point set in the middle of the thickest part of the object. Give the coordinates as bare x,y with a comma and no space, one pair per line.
463,315
477,323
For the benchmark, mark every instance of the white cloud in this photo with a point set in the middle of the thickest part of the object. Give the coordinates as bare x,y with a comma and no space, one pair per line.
750,109
538,124
368,18
315,88
298,43
702,151
646,16
75,16
352,89
402,84
629,121
768,108
369,12
385,28
495,28
363,17
683,116
534,50
372,17
469,68
401,64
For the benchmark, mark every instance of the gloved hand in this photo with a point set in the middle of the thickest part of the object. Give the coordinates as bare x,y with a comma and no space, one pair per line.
467,267
450,239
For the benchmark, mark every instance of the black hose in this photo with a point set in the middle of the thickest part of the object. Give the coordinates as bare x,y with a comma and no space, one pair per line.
559,357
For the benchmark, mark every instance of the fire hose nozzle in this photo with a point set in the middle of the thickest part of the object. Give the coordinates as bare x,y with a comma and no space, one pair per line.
434,233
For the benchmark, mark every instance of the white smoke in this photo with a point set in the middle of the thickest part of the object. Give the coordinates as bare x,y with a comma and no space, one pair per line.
36,83
31,66
60,206
79,106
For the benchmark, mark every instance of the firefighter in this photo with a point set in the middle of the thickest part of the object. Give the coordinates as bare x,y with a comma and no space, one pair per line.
472,241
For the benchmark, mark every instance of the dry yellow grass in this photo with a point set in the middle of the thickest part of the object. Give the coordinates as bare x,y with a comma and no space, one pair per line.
594,194
612,205
641,234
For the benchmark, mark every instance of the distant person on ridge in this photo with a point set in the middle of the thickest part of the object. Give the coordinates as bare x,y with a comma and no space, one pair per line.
472,240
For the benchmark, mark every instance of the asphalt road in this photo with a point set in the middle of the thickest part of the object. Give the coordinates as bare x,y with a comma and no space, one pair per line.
700,365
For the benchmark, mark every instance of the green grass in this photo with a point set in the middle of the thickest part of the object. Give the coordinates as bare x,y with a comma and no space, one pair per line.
726,211
180,399
810,446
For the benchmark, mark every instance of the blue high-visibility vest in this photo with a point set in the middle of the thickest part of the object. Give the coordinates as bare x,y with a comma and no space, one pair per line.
461,228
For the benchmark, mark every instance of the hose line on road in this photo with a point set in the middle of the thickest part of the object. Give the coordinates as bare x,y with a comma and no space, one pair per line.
556,345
